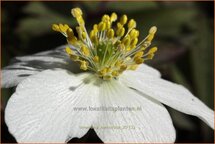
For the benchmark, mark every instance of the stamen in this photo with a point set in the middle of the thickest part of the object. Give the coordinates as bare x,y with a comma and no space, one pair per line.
153,30
131,24
69,51
96,59
123,19
76,12
153,50
85,51
120,31
110,33
55,27
108,50
84,65
113,17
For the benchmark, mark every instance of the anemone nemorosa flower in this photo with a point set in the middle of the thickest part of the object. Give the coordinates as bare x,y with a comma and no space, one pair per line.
53,101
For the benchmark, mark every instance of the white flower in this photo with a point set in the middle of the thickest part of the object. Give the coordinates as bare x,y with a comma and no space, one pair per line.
50,87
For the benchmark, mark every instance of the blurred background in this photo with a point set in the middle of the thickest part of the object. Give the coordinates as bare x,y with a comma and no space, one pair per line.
184,38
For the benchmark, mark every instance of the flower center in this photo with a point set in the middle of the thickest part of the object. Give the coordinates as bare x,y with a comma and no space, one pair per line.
108,51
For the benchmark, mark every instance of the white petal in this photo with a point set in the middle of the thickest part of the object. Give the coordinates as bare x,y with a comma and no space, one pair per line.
144,68
55,55
173,95
24,66
150,124
42,108
10,78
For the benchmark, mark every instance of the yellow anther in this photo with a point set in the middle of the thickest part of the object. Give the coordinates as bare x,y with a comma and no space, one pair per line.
117,43
115,73
123,68
108,69
153,30
72,40
105,18
150,56
110,33
139,60
74,57
143,48
55,27
107,77
134,41
131,24
84,35
120,32
137,33
133,67
132,46
84,65
103,72
128,58
94,39
81,34
118,63
69,33
139,54
150,37
134,33
66,26
76,12
96,59
79,31
128,48
123,19
108,25
93,32
85,51
95,27
121,47
68,50
126,41
113,17
63,28
101,26
135,58
119,25
152,50
80,20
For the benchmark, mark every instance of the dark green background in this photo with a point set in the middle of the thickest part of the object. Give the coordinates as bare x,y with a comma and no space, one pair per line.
184,38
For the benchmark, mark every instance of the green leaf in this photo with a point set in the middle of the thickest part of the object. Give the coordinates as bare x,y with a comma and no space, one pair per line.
179,77
168,20
37,8
181,120
202,63
129,7
91,6
42,20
